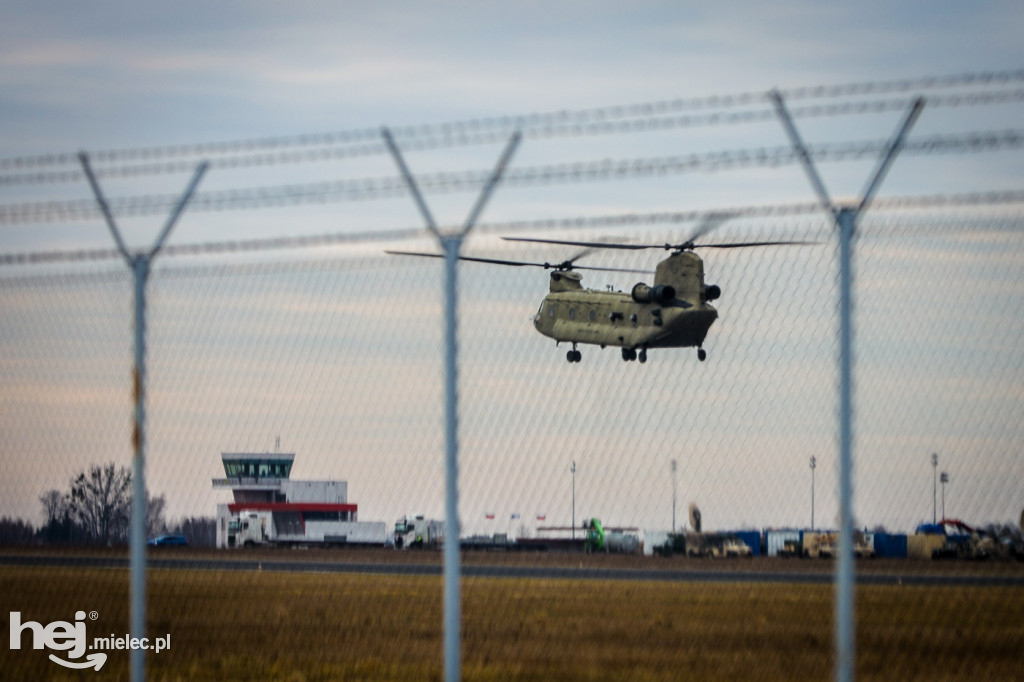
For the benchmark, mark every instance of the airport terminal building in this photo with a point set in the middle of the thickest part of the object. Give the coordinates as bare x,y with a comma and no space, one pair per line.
287,511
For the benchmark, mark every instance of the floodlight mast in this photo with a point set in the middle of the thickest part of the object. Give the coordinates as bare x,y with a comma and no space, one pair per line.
451,244
139,263
846,220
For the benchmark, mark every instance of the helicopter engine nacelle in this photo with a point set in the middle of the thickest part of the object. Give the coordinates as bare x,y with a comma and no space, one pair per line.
662,293
712,291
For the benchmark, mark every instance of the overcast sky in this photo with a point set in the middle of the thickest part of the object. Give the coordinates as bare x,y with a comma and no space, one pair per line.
113,75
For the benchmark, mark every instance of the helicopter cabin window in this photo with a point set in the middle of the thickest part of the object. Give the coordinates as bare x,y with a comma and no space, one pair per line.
551,311
593,315
572,313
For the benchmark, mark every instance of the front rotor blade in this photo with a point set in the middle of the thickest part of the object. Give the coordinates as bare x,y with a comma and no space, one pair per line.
737,245
516,263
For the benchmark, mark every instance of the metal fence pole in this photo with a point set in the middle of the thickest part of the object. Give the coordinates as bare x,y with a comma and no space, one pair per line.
140,266
845,623
452,558
137,532
451,245
846,220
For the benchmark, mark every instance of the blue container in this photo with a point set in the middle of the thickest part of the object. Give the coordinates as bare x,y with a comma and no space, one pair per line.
752,539
890,545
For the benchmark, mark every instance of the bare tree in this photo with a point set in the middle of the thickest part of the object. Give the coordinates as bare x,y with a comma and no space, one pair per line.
155,521
59,524
16,532
55,506
101,501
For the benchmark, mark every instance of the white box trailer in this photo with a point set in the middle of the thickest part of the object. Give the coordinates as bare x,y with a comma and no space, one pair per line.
256,528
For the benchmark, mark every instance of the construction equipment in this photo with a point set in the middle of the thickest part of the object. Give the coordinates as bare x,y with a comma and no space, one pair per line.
791,548
729,547
595,535
609,540
826,546
418,532
965,542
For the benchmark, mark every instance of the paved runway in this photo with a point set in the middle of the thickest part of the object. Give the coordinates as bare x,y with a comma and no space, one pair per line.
518,571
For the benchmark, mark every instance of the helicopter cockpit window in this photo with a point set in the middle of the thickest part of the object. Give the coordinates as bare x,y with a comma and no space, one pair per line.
551,311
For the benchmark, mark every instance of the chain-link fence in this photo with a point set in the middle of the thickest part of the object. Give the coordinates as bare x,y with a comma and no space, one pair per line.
332,352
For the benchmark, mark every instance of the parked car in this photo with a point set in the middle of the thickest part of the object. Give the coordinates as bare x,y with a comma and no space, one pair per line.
168,541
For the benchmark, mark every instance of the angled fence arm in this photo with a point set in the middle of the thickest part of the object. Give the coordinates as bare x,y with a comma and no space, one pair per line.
801,152
101,201
410,182
179,207
485,194
895,144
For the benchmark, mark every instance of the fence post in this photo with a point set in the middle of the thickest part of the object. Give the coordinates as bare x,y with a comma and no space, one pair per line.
846,220
139,263
451,245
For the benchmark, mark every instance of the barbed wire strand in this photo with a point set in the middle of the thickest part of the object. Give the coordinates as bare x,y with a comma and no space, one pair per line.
548,131
575,172
919,202
471,127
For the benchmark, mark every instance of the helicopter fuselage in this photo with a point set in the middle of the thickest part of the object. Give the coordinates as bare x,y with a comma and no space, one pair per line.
673,313
615,319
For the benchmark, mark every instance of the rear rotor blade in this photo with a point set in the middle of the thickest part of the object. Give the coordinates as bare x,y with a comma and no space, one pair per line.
492,261
589,245
710,222
668,247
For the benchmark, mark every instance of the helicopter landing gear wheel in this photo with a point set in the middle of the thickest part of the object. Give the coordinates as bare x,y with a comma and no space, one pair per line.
702,354
642,357
574,355
628,354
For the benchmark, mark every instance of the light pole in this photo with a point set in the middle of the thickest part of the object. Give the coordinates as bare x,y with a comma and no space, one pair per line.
935,469
573,470
674,465
814,464
944,479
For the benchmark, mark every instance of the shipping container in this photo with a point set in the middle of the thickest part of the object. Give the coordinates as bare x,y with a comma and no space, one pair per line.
775,540
752,538
892,546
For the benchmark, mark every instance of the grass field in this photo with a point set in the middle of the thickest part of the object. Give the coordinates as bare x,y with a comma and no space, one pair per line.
237,625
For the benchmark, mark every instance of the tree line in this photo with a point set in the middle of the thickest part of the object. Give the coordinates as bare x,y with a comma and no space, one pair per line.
95,510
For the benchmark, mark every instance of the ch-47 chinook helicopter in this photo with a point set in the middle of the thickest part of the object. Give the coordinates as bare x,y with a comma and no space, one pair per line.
673,312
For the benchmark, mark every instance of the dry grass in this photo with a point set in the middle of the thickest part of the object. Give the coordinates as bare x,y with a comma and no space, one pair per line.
235,625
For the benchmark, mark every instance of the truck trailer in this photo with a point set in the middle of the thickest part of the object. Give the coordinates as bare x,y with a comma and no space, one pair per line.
269,528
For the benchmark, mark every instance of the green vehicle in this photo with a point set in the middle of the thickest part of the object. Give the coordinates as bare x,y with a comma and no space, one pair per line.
595,535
